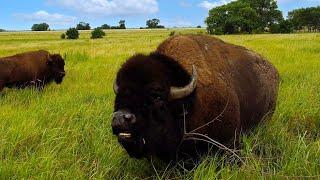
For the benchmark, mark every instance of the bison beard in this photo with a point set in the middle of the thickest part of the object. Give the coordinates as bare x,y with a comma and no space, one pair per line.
195,84
35,68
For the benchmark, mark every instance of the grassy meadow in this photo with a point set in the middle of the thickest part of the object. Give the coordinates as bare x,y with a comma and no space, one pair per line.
64,131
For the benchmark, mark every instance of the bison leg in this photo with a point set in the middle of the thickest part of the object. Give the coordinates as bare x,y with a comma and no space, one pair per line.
39,85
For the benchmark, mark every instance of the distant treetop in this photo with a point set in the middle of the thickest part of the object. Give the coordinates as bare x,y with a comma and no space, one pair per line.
83,26
40,27
122,24
154,23
105,26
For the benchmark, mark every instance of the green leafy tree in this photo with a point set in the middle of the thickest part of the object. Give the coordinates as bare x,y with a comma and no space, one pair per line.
153,23
97,33
243,16
235,17
72,33
83,26
122,24
63,36
105,26
267,11
283,26
305,18
2,30
40,27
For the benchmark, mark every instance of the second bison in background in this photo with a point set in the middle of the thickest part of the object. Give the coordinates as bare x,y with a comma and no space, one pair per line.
190,89
35,68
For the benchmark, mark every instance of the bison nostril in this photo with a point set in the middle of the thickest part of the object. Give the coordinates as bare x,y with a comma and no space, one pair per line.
130,117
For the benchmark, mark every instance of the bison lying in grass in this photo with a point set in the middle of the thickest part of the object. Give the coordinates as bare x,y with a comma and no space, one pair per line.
193,90
31,69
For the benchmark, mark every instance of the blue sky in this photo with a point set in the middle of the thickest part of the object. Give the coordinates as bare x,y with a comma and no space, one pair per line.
61,14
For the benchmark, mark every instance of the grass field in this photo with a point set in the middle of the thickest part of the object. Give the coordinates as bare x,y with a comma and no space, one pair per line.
65,131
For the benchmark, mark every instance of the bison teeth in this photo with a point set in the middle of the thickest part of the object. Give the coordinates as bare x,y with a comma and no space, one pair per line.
125,135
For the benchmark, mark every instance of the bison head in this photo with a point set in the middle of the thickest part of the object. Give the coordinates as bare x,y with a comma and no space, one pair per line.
56,67
150,91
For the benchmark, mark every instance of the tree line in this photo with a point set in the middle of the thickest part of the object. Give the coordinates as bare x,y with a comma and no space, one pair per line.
151,23
305,19
257,16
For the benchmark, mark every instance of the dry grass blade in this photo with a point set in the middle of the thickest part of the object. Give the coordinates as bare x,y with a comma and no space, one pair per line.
213,142
216,118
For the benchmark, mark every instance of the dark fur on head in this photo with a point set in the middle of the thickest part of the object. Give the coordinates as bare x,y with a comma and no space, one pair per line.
56,67
144,85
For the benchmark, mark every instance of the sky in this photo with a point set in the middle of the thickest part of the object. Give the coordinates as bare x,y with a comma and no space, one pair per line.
62,14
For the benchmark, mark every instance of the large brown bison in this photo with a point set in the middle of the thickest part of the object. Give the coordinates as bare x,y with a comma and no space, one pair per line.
35,68
191,90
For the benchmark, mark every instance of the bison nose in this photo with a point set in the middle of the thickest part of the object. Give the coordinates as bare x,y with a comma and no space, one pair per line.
62,74
131,118
122,120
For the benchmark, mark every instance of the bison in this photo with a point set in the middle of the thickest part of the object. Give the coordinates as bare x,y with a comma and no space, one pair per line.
35,68
191,85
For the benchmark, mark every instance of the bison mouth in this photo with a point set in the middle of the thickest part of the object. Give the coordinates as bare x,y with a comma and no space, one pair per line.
132,143
59,77
124,135
58,80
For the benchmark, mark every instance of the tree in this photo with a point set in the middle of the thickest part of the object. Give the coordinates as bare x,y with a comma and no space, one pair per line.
72,33
40,27
305,18
122,24
235,17
283,26
114,27
153,23
105,26
83,26
97,33
243,16
267,11
2,30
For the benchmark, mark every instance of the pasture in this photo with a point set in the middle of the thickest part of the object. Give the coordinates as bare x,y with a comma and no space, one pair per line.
64,131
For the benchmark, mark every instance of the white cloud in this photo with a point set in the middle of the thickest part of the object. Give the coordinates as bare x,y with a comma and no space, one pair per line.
43,16
209,5
110,7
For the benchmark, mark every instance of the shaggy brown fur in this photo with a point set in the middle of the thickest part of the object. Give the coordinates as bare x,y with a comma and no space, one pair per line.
236,88
31,68
229,75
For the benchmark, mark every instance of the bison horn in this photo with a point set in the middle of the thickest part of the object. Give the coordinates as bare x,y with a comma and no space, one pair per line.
181,92
115,87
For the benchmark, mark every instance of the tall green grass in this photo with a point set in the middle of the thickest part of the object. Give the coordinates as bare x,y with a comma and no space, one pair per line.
64,131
